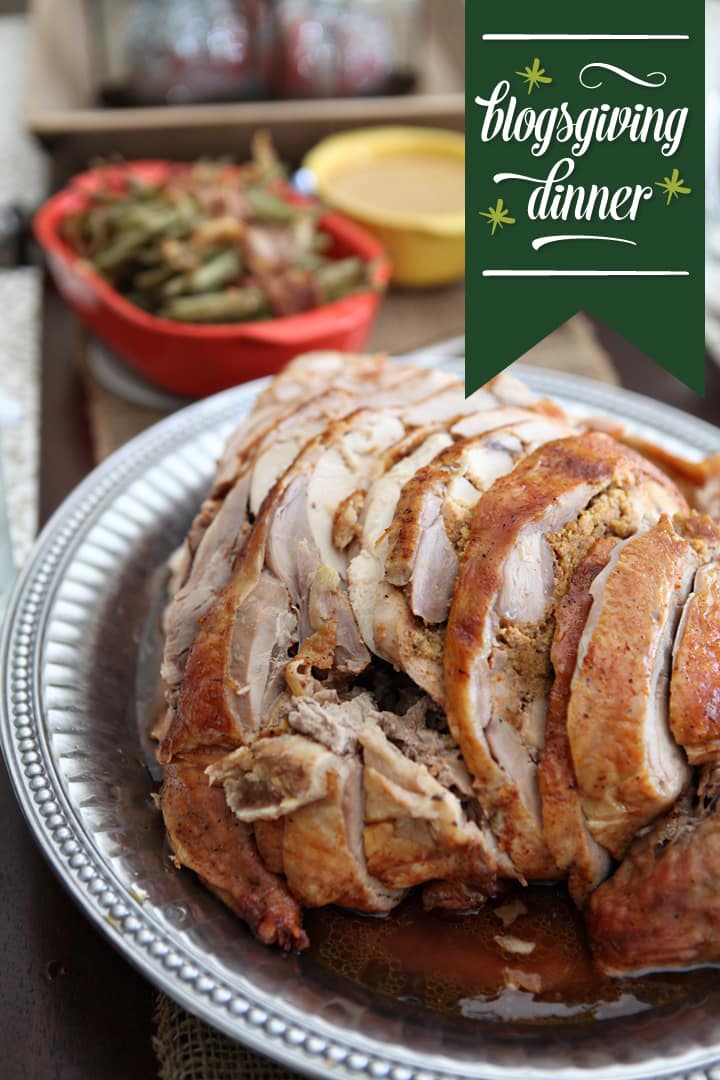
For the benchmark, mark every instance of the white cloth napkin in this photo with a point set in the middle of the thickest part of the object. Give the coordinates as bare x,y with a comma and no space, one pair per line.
23,180
19,384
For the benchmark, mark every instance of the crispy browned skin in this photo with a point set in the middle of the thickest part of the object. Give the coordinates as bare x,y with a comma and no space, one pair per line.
564,822
452,896
202,717
408,522
661,909
695,685
207,838
269,840
688,475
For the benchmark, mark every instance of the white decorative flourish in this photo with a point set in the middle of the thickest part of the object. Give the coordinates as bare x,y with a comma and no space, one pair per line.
543,241
585,273
652,80
586,37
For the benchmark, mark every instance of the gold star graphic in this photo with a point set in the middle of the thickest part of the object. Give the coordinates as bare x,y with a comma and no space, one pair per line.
673,186
534,75
498,216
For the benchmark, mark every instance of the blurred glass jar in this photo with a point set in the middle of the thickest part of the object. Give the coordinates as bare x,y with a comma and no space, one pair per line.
342,48
184,51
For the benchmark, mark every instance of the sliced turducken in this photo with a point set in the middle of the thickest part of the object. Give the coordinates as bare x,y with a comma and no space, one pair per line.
529,532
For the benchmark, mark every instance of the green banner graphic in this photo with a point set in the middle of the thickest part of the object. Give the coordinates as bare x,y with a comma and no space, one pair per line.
585,177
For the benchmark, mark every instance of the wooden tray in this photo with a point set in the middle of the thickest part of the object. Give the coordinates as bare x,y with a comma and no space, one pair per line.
61,101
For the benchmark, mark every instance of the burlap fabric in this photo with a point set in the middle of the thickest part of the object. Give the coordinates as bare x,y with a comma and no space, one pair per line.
186,1048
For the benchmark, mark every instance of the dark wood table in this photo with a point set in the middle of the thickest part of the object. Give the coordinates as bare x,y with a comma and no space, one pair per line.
70,1007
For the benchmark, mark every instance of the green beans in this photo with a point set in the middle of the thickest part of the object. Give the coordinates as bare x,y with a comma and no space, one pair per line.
268,207
216,272
234,305
122,248
219,269
340,276
147,280
212,242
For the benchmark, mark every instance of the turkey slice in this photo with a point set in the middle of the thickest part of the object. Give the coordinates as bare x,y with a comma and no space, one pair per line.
694,693
316,790
323,853
437,502
628,767
228,523
367,569
571,843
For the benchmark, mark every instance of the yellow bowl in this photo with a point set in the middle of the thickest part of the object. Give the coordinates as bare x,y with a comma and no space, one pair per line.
425,248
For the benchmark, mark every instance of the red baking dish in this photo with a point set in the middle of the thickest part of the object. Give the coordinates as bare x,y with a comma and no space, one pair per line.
190,359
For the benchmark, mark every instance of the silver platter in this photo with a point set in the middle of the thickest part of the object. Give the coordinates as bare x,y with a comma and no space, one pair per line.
71,653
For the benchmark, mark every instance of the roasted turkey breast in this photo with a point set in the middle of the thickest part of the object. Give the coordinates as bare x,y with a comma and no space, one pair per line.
418,639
